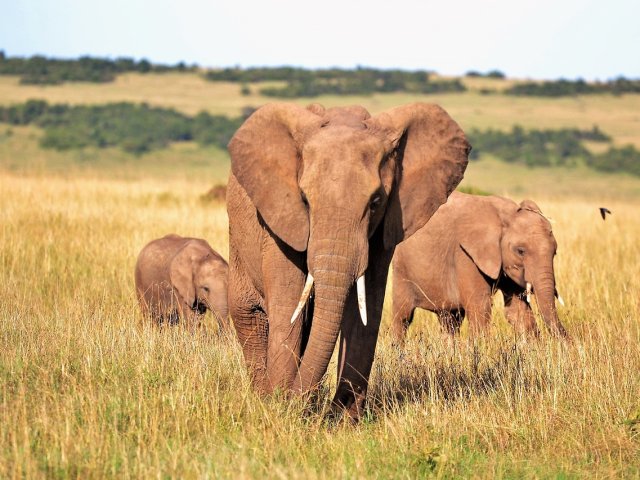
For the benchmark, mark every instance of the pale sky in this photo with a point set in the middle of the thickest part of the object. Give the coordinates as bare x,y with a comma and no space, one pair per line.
592,39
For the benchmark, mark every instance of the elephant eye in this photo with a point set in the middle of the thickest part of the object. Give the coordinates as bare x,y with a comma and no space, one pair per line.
206,289
520,251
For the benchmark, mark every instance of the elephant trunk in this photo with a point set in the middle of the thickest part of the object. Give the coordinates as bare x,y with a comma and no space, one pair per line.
217,303
334,264
544,286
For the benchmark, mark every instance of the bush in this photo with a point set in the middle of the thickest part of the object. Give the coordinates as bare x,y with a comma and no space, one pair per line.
23,114
489,74
626,159
217,130
495,74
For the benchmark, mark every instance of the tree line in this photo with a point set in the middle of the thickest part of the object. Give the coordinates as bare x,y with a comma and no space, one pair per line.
302,82
535,147
565,88
40,70
490,74
134,128
547,148
139,128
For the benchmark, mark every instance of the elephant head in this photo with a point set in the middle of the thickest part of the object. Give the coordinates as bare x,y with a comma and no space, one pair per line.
199,277
516,241
326,181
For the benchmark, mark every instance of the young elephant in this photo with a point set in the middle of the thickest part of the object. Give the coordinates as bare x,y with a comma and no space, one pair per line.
471,247
180,278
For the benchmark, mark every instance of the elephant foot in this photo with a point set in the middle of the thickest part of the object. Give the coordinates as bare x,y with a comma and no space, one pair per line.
349,402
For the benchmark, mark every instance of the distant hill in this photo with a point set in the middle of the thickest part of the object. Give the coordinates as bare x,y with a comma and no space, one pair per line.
298,82
139,128
40,70
139,107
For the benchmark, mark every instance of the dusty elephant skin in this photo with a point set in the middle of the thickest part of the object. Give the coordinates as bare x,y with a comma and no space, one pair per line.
325,195
180,278
471,247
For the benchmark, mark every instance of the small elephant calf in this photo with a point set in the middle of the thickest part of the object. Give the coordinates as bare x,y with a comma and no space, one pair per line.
471,247
179,278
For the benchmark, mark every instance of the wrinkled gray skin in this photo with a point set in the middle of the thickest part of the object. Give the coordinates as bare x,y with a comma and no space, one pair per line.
327,192
471,247
179,278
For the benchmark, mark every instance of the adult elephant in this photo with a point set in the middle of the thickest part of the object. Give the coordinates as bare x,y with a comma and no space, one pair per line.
325,195
471,247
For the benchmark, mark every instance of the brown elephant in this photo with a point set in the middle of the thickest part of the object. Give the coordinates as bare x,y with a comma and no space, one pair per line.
471,247
180,278
325,195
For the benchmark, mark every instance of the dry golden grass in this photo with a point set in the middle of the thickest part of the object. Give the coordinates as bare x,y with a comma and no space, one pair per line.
85,391
190,93
519,181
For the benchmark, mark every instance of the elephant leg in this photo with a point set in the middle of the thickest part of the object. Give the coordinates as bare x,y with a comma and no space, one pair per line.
187,318
168,317
474,294
520,315
451,321
284,275
402,312
357,341
478,308
191,321
247,311
224,325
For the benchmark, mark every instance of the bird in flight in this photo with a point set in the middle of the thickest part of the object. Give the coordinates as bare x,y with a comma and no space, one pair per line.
603,212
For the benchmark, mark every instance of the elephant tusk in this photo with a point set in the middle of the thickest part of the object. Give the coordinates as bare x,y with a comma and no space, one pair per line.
560,300
528,292
362,299
306,291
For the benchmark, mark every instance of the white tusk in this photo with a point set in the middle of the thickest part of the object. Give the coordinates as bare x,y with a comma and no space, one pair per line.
362,299
560,300
306,291
528,292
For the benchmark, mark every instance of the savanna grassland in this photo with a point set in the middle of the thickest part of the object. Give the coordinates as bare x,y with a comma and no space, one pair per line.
87,390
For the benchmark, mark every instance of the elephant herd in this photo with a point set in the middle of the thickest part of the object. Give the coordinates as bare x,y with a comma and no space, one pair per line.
318,202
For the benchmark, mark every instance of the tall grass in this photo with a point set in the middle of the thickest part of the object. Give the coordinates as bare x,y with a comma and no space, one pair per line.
87,390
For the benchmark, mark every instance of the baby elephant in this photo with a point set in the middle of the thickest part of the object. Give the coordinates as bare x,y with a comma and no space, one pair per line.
472,246
180,278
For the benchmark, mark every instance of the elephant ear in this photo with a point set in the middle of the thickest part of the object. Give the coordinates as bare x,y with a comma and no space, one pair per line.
265,158
316,108
530,205
181,272
479,230
431,153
